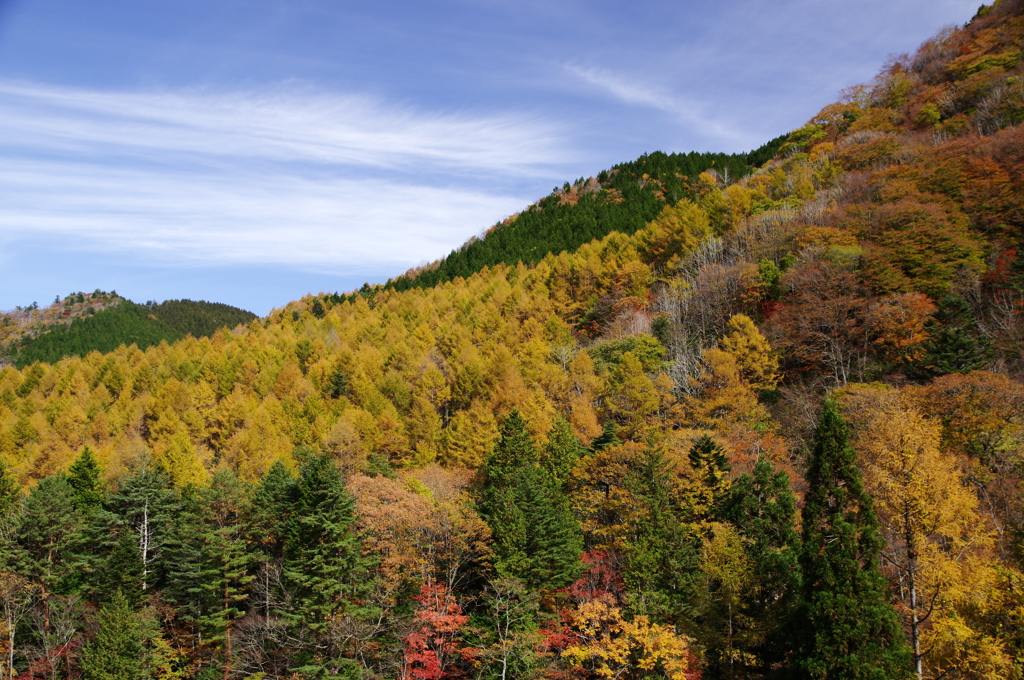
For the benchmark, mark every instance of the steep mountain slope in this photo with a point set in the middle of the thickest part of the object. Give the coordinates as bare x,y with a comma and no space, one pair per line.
594,465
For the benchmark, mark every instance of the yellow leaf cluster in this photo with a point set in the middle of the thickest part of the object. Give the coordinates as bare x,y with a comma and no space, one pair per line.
608,645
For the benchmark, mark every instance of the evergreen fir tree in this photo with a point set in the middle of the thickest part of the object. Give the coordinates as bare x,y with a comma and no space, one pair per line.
49,537
561,453
99,532
269,516
554,541
147,506
324,567
849,628
118,651
515,450
84,477
224,575
607,437
121,570
661,560
536,538
183,552
954,344
763,508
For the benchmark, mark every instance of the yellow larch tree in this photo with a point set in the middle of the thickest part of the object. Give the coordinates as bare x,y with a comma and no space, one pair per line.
757,362
936,541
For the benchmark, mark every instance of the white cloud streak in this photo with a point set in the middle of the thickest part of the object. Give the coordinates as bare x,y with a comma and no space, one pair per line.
270,219
307,180
289,124
637,93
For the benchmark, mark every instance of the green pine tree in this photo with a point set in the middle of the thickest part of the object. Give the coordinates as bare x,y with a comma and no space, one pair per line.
84,477
607,437
849,628
325,570
955,343
661,560
121,569
49,538
562,452
536,537
147,506
224,561
118,650
763,508
270,508
554,540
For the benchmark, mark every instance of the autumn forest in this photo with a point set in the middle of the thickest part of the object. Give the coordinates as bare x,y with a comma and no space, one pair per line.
700,416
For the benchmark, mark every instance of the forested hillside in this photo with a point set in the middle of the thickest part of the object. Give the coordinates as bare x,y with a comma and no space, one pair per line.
622,199
775,431
118,322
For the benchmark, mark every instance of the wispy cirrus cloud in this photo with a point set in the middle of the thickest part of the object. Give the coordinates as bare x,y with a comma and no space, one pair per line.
320,224
636,92
279,124
286,177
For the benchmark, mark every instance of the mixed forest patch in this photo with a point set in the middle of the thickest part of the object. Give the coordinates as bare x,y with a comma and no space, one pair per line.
773,429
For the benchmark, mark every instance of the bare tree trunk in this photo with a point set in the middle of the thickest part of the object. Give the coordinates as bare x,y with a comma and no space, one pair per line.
915,623
143,530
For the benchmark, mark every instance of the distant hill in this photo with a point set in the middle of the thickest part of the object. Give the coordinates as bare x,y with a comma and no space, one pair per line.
118,322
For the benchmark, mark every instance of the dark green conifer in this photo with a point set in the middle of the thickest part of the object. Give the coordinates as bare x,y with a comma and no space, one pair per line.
763,508
84,477
561,453
325,571
955,343
849,629
147,506
536,538
662,557
607,437
118,650
224,571
121,570
270,509
49,537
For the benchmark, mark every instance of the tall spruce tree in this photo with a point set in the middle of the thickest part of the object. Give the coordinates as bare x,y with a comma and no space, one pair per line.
84,476
324,567
850,631
562,452
225,561
536,537
661,559
118,650
99,530
50,540
955,344
762,507
147,506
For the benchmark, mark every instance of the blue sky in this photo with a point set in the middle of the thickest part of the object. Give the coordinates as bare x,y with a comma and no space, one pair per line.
253,151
